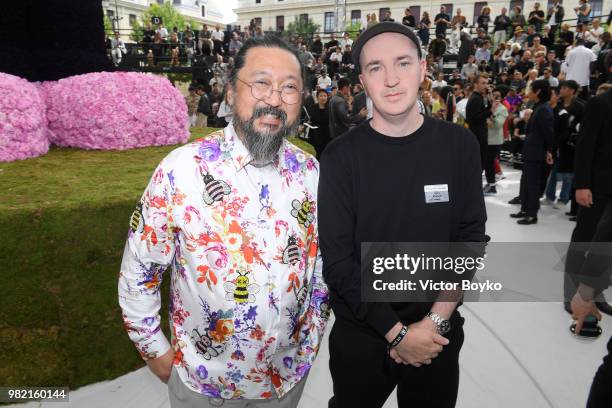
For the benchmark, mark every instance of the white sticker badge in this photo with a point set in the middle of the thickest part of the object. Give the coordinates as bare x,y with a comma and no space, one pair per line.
436,193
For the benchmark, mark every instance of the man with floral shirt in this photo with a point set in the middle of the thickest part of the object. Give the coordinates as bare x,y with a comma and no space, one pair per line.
235,215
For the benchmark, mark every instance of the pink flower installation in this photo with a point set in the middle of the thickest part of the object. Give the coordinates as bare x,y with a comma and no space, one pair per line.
115,111
23,122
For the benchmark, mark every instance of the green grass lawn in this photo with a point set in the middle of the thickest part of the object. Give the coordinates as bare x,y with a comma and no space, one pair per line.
63,223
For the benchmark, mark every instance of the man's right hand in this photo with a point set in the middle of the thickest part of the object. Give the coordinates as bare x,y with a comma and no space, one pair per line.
162,366
584,197
420,346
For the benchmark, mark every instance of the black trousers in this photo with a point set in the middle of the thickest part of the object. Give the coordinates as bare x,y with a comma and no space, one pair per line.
364,375
600,395
482,142
492,153
531,187
585,231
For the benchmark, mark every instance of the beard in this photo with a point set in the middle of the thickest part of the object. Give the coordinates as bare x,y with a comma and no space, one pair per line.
264,145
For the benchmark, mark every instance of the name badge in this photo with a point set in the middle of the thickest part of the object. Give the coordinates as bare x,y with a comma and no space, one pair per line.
437,193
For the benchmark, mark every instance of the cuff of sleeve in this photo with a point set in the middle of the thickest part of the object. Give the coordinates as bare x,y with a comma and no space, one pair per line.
382,317
155,347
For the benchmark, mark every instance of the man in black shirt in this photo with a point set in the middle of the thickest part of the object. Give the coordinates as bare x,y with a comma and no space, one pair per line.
317,46
477,111
339,116
592,179
442,21
408,19
537,149
373,188
525,63
501,24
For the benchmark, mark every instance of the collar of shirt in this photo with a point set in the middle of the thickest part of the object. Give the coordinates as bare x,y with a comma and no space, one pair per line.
240,155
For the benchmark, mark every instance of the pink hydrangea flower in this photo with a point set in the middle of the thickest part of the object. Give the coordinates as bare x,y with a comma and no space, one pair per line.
23,121
115,111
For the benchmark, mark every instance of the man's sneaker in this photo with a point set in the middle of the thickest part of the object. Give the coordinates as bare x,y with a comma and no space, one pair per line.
499,177
559,204
490,189
546,201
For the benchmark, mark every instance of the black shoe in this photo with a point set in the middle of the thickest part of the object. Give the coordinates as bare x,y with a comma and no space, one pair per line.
528,221
604,307
570,214
574,219
515,200
568,307
490,190
520,214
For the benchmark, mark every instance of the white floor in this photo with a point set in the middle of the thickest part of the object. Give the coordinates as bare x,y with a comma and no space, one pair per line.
514,355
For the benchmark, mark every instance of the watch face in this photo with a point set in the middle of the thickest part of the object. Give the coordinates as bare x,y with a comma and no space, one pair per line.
444,327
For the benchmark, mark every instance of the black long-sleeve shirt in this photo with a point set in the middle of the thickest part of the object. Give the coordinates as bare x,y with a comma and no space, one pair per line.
593,159
539,137
339,116
371,189
477,112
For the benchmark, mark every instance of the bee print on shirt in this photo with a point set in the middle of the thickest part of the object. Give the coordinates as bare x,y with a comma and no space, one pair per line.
136,220
303,212
214,190
242,291
291,253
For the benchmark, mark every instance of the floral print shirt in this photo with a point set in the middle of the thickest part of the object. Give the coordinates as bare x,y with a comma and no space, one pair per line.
248,303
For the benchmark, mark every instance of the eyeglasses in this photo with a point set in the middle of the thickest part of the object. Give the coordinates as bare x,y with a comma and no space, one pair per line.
261,90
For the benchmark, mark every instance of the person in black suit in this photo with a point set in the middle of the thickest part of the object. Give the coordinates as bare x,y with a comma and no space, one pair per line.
360,102
592,270
319,117
477,111
593,182
537,149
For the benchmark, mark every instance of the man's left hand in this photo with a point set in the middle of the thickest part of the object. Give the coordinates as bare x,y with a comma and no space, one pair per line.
581,309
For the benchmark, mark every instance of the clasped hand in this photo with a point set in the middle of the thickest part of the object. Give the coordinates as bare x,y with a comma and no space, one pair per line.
421,344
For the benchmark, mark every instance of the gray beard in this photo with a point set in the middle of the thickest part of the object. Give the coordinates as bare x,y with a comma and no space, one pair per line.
263,146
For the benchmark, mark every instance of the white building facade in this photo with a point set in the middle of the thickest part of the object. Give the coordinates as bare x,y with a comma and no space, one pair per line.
275,15
127,11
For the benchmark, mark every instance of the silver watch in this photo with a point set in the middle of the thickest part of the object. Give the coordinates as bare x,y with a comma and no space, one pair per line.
442,326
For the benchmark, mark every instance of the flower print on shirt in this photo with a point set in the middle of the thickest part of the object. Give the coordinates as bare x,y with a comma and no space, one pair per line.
248,302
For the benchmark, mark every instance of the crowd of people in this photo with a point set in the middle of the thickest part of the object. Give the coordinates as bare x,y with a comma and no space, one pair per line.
503,76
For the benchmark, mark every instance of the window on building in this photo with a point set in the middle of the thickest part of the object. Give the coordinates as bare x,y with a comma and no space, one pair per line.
132,18
257,1
355,16
280,23
203,11
416,12
478,6
257,21
176,2
449,9
382,13
304,18
520,3
597,9
328,25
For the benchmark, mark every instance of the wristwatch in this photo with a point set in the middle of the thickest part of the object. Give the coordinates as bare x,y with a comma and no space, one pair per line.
442,326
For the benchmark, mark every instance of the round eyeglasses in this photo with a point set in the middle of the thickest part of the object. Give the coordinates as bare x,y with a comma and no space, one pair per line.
261,90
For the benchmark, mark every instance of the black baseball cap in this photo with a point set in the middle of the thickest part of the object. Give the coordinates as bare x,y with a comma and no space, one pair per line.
380,28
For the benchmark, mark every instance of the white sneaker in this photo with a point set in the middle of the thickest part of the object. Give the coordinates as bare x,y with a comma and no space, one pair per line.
546,201
559,204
